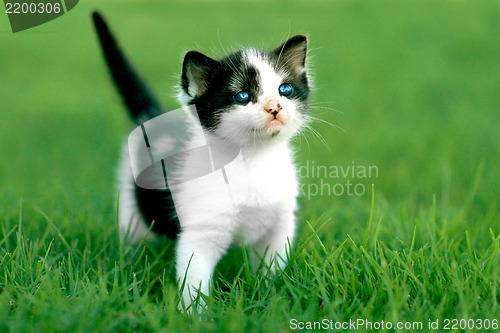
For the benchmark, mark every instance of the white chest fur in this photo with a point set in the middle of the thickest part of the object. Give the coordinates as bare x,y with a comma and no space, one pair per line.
262,186
272,189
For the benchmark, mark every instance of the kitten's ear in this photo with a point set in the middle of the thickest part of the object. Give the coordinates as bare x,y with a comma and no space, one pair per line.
292,53
196,70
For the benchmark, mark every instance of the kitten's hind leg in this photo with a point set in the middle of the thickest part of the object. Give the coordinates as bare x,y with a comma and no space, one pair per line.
133,229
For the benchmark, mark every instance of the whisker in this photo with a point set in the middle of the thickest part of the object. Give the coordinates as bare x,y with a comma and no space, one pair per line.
230,62
312,106
328,123
302,135
323,103
275,67
319,136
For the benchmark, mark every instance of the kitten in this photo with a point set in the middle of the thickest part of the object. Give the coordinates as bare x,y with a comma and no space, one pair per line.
242,109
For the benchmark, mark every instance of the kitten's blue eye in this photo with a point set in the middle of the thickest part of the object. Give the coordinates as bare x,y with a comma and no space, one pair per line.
242,97
286,90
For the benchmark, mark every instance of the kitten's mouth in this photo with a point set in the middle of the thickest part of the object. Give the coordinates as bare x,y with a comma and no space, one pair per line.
274,125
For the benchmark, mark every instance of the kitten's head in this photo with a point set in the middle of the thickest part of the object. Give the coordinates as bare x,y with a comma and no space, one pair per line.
249,96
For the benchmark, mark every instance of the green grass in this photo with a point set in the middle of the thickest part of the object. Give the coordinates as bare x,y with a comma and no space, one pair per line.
418,84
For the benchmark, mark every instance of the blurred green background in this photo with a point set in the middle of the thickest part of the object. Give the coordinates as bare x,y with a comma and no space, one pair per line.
417,84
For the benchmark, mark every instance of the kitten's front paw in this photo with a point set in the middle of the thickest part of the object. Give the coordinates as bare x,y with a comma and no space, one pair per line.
192,300
193,307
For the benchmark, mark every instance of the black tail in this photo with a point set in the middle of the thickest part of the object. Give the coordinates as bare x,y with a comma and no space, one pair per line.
139,100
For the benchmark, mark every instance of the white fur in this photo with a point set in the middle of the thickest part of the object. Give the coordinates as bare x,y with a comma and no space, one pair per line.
132,225
262,217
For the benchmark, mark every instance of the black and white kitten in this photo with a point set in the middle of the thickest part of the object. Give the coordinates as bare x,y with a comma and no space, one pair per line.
254,99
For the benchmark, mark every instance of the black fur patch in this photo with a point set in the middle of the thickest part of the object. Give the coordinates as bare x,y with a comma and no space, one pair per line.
158,206
290,57
219,95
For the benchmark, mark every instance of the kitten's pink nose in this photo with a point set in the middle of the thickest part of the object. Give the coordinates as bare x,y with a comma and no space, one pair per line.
272,105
